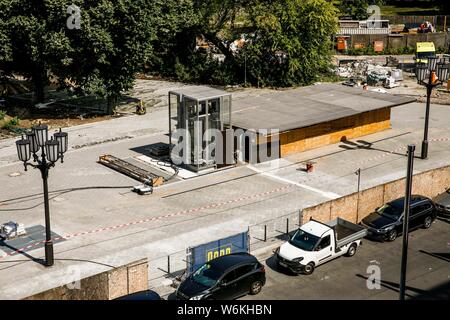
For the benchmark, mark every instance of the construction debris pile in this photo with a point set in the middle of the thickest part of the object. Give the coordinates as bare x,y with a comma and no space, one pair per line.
366,72
377,74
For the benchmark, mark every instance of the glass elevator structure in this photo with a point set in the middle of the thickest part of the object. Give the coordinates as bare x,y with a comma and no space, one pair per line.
193,113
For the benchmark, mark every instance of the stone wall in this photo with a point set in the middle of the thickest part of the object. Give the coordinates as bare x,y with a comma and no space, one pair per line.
107,285
354,208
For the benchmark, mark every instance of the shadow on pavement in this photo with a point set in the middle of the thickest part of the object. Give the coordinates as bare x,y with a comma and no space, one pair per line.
439,292
443,256
272,264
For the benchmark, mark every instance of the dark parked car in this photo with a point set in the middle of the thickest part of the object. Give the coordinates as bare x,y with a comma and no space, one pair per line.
442,203
386,223
224,278
141,295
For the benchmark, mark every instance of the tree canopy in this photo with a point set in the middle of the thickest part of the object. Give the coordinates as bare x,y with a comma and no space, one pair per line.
356,9
285,42
113,42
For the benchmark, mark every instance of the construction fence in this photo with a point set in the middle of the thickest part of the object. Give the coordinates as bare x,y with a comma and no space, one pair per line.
178,264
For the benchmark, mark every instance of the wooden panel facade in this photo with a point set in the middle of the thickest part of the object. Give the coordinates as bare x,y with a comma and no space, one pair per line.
334,131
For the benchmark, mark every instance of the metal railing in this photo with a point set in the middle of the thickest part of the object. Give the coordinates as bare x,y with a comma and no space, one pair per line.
173,266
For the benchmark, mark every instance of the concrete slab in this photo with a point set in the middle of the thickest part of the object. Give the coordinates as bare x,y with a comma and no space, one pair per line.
108,225
34,239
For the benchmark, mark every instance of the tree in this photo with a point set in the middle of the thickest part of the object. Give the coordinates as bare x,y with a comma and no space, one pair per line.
291,42
114,42
33,40
102,57
356,9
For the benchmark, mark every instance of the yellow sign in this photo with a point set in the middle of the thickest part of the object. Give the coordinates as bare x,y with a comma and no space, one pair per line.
218,252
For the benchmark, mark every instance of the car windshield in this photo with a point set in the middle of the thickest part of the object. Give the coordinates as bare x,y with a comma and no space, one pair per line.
303,240
206,275
391,212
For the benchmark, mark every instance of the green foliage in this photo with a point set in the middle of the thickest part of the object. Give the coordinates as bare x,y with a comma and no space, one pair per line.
291,42
102,57
440,50
14,121
11,124
355,9
2,114
288,42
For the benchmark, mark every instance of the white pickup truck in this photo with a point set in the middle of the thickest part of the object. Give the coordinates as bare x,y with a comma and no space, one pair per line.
316,243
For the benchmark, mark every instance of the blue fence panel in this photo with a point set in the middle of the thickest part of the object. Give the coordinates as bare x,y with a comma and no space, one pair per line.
214,249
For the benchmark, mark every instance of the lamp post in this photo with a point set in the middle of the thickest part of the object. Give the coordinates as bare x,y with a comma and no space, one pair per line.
430,75
51,151
358,173
407,204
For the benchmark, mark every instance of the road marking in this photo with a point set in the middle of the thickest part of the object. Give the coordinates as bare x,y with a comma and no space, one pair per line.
326,194
169,215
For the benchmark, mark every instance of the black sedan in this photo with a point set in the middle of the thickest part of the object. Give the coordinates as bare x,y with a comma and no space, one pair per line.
442,203
224,278
386,223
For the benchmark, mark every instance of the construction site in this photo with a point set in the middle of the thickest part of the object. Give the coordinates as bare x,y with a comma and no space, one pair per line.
174,207
120,179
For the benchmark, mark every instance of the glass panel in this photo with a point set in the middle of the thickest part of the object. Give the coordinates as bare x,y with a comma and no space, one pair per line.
192,124
174,101
225,114
214,115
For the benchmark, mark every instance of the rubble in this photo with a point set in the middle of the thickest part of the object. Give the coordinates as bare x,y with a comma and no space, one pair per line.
365,71
377,74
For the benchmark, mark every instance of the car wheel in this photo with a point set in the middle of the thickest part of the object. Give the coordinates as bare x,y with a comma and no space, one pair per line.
256,287
392,235
351,251
427,222
309,268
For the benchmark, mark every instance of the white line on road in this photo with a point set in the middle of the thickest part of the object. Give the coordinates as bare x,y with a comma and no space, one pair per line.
326,194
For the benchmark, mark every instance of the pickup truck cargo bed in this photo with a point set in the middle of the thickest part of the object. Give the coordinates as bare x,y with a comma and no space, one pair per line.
346,232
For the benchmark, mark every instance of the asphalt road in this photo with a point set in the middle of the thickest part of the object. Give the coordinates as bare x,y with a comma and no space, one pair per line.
428,275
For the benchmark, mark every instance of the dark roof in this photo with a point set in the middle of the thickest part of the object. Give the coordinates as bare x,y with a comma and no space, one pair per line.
141,295
401,201
306,106
200,92
225,262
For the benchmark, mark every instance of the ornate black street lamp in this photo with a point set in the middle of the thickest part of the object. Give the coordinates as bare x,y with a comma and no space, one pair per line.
430,75
51,151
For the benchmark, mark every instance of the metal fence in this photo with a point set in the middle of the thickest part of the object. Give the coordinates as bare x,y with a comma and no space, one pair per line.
274,228
174,266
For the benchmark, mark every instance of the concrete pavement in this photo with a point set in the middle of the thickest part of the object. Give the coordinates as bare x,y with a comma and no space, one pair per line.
106,225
